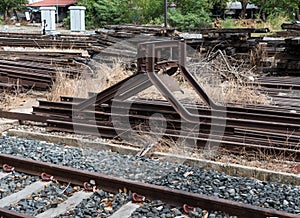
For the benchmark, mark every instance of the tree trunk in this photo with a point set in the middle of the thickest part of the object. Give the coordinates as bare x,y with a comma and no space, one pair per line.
244,8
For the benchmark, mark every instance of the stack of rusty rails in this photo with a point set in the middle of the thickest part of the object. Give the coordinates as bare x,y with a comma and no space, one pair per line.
33,73
266,129
35,68
284,98
112,49
54,58
145,192
291,26
46,43
128,31
284,82
17,35
289,30
120,41
39,41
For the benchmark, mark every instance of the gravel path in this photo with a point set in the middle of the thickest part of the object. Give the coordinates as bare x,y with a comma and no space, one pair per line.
269,195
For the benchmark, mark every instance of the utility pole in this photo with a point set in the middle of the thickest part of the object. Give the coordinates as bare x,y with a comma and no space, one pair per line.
166,13
57,17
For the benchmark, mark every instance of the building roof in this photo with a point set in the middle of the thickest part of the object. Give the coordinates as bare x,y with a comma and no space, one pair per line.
46,3
235,5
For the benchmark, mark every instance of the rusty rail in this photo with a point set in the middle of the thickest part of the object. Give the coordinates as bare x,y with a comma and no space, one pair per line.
153,192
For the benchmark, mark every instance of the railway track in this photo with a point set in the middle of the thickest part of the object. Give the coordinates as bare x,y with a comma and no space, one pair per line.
111,113
58,195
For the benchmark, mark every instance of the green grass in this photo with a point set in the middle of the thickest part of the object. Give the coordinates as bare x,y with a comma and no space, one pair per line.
273,22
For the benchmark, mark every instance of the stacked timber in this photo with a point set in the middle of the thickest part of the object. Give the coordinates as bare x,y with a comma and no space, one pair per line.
236,42
288,60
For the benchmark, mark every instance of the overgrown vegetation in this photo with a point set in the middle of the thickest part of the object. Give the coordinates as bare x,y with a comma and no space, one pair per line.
7,5
188,14
103,77
273,22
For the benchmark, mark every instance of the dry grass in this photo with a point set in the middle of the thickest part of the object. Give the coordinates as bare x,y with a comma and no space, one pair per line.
103,76
223,82
11,100
241,93
228,81
63,86
259,159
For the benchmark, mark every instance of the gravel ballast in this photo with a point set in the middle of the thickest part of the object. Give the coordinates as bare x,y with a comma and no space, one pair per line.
243,190
15,182
212,183
130,167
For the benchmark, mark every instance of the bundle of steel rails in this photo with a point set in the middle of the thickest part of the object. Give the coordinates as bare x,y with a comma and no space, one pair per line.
108,44
36,68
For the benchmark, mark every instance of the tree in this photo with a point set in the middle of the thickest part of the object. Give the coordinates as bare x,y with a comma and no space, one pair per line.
244,8
191,14
7,5
102,12
284,7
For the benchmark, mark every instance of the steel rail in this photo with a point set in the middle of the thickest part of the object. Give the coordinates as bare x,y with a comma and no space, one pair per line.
5,213
175,123
108,131
23,116
143,114
262,113
153,192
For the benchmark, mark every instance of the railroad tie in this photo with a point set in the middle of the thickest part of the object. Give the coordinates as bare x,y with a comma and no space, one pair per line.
67,205
28,190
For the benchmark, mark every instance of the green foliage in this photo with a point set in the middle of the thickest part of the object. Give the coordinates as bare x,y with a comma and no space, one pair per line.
7,5
278,7
228,23
275,21
189,21
143,11
191,14
102,12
